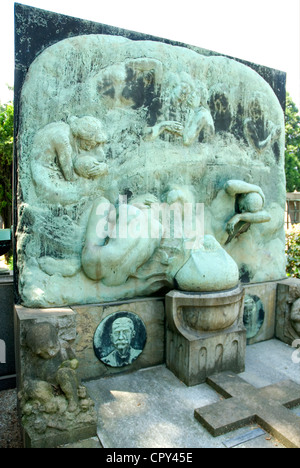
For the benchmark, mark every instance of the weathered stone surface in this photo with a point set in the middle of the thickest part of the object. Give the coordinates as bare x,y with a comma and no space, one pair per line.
205,334
54,406
245,404
88,318
157,129
260,317
288,310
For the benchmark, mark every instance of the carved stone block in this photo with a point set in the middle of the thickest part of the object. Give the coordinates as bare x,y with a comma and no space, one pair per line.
88,318
288,310
205,334
260,311
114,131
53,404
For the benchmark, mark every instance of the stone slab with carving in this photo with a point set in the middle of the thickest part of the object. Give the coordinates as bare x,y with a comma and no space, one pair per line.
205,334
288,311
54,406
105,120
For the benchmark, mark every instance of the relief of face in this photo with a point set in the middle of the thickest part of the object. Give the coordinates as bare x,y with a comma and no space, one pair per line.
43,341
250,310
122,334
295,316
250,202
87,145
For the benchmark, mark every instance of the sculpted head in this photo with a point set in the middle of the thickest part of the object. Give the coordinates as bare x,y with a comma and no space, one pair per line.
255,108
43,341
122,334
250,309
295,316
89,131
250,203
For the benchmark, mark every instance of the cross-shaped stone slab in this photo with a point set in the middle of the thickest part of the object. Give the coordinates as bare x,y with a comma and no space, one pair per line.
245,404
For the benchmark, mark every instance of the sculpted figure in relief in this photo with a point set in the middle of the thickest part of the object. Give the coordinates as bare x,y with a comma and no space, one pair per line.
136,243
259,133
295,316
250,201
119,242
198,120
294,304
63,154
185,110
52,367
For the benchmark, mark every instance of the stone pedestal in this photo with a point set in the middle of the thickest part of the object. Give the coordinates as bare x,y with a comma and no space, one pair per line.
288,310
205,334
54,408
51,340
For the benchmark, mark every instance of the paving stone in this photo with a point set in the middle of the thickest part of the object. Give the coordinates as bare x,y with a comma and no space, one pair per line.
151,408
247,404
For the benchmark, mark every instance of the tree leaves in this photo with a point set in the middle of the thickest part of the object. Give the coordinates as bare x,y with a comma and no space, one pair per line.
292,146
6,158
293,251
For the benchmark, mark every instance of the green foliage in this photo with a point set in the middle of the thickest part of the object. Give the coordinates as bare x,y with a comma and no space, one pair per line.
10,263
292,146
293,251
6,157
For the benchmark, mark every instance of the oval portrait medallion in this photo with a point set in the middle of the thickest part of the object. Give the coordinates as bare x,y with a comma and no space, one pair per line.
120,339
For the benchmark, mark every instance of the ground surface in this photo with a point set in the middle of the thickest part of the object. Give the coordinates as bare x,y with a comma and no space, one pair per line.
10,435
153,409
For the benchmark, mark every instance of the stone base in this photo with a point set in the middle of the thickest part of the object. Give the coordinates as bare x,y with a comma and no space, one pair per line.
288,292
45,416
194,354
193,361
54,407
54,440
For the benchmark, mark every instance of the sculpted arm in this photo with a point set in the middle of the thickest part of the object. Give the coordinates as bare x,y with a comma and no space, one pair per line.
252,135
167,126
64,153
251,218
238,187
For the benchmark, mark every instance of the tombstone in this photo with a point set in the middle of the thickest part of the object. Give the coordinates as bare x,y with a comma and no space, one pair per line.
140,175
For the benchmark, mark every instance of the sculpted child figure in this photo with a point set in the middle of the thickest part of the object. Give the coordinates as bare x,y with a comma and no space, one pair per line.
51,367
250,201
63,154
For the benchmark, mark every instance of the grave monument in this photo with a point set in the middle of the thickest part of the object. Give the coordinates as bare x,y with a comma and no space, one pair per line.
149,181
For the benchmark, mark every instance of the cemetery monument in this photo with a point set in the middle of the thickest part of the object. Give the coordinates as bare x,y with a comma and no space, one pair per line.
149,184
